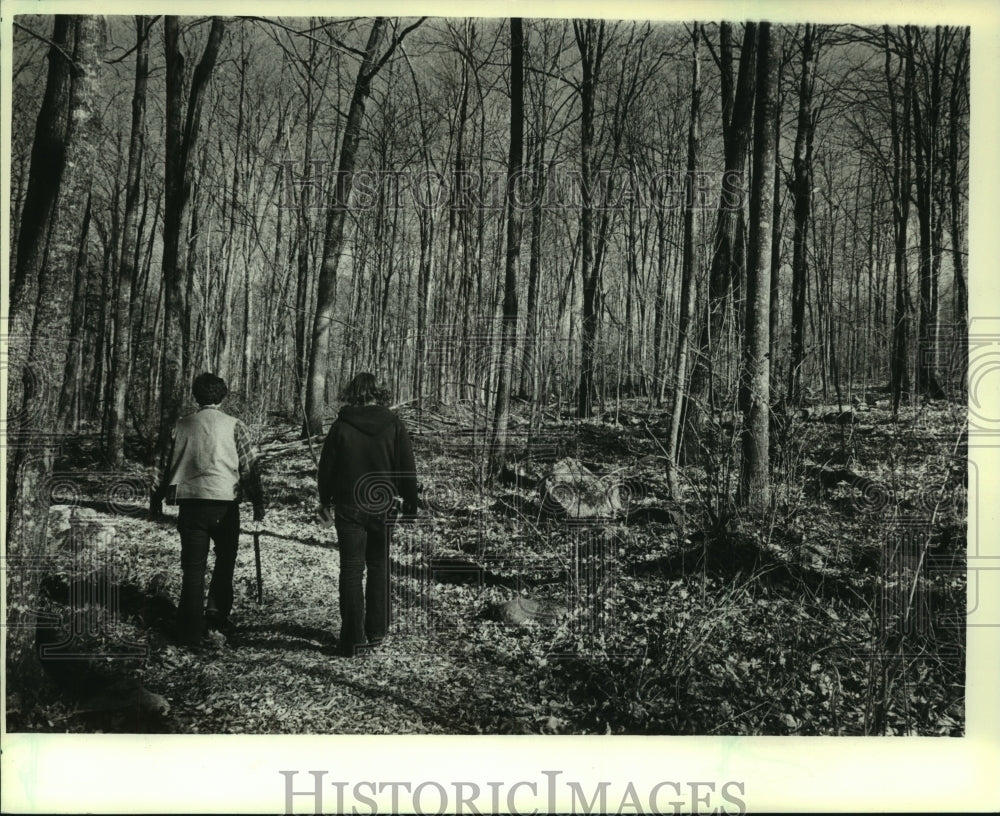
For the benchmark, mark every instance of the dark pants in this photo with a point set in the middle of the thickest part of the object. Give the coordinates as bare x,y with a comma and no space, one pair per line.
198,522
364,542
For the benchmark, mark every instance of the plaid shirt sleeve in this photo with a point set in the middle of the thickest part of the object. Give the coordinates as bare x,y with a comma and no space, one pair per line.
160,473
250,467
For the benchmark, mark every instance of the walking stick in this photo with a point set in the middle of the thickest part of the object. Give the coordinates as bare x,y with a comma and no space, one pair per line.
256,558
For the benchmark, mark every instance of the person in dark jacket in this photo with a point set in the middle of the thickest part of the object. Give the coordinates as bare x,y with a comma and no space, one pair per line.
212,467
367,460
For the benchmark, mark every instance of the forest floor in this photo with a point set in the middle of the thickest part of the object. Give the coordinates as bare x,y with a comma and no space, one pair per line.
839,612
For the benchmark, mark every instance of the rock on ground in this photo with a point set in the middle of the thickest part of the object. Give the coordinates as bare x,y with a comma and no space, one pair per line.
570,489
519,611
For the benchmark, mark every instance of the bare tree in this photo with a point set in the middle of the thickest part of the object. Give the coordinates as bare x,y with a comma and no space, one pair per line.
927,109
737,118
592,43
689,264
515,160
52,263
333,242
900,132
48,158
958,104
755,403
121,358
181,140
802,185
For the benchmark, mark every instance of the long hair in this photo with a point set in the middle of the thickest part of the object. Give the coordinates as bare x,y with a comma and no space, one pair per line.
364,389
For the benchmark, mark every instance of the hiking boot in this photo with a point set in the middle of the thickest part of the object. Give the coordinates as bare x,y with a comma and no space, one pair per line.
214,641
211,642
218,623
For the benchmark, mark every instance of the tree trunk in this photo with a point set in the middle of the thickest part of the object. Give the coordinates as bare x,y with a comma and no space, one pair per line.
926,119
737,111
333,242
801,209
53,268
532,354
121,359
754,486
508,337
181,139
900,130
590,41
48,158
688,270
69,399
660,309
957,178
775,316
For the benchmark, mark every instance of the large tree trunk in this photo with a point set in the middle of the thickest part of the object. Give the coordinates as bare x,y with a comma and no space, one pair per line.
333,242
530,371
737,112
508,337
688,270
307,200
590,41
754,486
801,209
72,392
926,119
775,316
54,267
900,131
121,363
48,157
181,139
225,330
957,179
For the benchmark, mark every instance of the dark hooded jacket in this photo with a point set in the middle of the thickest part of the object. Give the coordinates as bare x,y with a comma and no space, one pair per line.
367,460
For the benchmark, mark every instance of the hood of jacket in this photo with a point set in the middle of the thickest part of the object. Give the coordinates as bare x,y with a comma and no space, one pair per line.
369,419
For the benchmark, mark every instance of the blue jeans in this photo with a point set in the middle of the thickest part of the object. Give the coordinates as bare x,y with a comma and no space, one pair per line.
364,542
198,523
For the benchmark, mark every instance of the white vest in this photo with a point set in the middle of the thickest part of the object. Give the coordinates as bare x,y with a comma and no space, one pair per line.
206,463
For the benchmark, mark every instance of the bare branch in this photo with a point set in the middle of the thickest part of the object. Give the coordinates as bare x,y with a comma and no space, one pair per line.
47,41
145,36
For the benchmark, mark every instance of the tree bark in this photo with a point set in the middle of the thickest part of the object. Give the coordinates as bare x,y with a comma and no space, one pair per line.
737,113
333,242
688,269
508,336
957,179
754,486
801,209
926,119
900,131
53,262
181,139
48,158
121,363
775,316
71,396
590,41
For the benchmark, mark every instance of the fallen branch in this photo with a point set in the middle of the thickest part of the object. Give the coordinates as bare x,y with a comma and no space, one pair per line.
270,450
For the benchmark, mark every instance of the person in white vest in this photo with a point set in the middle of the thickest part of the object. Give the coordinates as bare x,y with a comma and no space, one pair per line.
213,466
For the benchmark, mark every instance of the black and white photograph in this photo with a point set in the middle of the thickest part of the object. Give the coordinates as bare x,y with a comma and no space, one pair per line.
602,378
